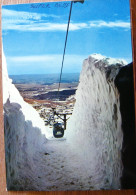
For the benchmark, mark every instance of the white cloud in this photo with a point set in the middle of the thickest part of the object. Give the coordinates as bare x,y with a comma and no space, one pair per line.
17,15
20,20
37,22
69,58
41,58
46,58
42,27
25,21
44,63
110,24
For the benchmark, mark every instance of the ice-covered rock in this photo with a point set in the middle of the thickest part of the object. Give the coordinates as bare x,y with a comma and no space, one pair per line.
90,158
24,135
94,130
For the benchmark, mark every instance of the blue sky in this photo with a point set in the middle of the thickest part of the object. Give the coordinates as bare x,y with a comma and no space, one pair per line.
34,34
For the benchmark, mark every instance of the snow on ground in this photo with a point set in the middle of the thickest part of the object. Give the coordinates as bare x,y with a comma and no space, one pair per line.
87,158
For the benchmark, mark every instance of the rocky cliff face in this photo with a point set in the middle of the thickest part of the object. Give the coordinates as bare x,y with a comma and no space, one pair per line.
125,84
94,130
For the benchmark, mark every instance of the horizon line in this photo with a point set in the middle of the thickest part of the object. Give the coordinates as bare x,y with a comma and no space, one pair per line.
43,74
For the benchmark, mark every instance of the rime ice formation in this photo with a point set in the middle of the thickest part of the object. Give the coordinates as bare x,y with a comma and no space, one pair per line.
24,134
90,156
94,129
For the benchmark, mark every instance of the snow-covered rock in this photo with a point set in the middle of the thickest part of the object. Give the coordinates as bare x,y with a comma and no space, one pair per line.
24,135
89,158
94,130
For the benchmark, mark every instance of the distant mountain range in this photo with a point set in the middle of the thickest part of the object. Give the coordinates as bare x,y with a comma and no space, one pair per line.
45,78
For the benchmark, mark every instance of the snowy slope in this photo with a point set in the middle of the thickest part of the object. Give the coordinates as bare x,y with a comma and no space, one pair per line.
24,134
94,130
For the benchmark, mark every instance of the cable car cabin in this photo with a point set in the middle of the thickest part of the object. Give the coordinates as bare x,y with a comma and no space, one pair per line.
58,130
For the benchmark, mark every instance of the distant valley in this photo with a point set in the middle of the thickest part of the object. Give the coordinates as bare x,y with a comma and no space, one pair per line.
41,91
